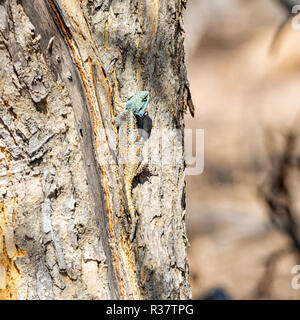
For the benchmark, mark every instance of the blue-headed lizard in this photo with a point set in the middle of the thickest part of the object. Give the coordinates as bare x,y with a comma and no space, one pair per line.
130,147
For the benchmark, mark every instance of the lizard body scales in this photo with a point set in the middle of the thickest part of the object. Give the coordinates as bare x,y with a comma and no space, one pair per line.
130,147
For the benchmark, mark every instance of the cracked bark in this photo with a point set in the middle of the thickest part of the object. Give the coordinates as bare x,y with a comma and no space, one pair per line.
67,69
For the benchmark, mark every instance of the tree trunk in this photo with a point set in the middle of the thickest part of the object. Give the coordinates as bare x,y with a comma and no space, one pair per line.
67,69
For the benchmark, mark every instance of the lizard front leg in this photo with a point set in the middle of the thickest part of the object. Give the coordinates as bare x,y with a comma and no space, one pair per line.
119,119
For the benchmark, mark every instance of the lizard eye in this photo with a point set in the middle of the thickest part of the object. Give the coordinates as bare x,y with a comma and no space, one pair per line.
145,99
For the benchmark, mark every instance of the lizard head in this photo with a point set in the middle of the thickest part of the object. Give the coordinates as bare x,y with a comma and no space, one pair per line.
138,103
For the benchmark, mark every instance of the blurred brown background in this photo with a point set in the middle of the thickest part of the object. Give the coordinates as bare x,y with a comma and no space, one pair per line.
247,100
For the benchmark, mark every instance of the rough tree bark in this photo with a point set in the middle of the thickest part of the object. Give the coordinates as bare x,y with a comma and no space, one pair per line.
67,68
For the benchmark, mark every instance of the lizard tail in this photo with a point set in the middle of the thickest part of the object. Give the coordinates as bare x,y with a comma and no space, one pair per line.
131,208
129,199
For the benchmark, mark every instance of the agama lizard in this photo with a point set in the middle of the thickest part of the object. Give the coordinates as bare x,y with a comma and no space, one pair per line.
130,146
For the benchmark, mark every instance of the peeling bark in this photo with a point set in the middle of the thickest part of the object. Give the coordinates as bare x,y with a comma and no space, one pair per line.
67,69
